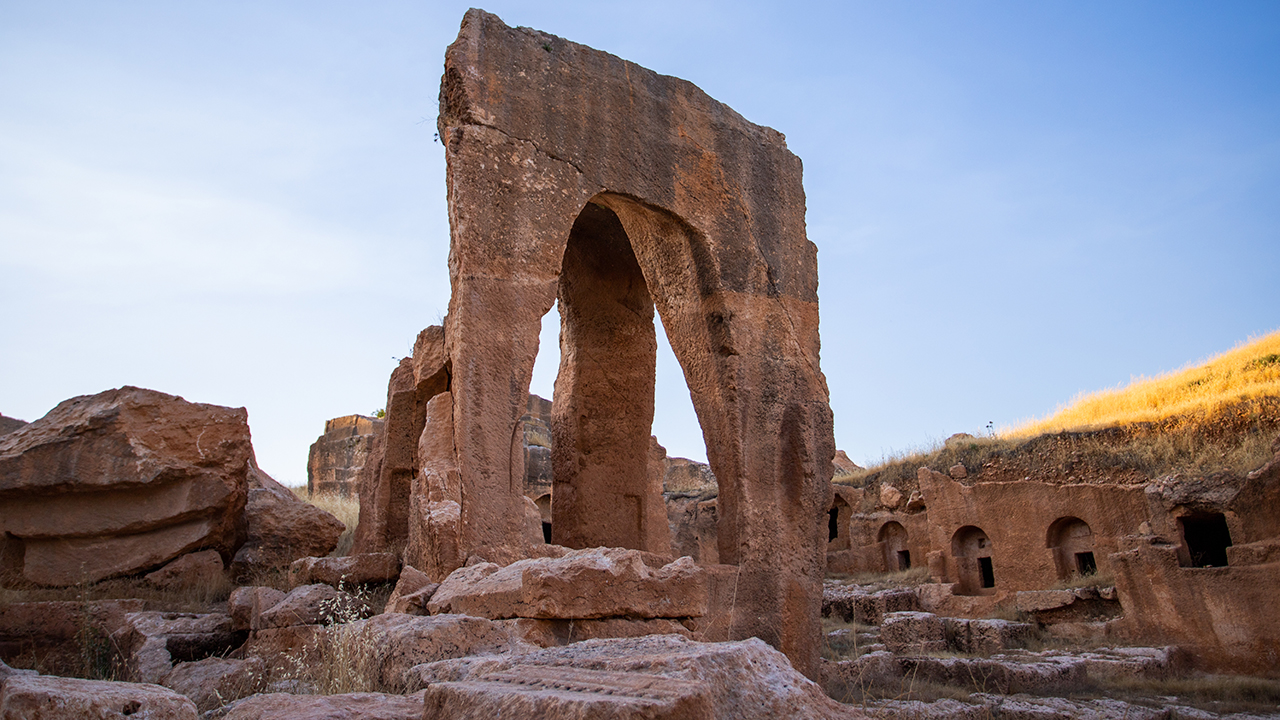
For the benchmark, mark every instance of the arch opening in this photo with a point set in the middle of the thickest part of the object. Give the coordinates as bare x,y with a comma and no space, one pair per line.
1071,541
897,556
604,492
971,551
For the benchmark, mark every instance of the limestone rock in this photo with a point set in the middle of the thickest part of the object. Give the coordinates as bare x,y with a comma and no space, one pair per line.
958,471
853,603
53,633
337,456
8,424
350,706
7,672
246,604
658,676
214,682
890,496
46,697
198,569
400,642
552,633
150,642
412,593
590,583
844,467
281,528
314,605
913,633
121,482
347,571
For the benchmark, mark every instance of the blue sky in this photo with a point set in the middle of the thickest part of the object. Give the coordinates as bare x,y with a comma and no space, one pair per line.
242,203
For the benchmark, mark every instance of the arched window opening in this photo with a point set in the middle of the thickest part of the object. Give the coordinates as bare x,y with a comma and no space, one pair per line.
897,556
1071,541
971,552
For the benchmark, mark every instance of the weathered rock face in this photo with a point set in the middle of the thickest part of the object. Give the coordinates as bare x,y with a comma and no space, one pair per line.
281,528
63,637
8,424
338,455
576,175
348,571
663,676
120,482
43,697
349,706
592,583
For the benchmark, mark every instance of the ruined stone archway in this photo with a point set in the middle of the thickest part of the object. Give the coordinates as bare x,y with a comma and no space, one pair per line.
536,129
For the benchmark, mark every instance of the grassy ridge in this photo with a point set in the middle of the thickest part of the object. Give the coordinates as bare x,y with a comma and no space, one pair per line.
1251,370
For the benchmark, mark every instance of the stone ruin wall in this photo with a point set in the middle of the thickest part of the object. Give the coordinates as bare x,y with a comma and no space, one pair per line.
336,457
1037,530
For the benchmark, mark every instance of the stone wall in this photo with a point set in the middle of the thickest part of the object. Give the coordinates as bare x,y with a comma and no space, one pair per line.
337,456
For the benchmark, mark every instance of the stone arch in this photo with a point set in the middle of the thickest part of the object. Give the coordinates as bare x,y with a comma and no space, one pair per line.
893,537
544,515
1071,541
971,551
712,208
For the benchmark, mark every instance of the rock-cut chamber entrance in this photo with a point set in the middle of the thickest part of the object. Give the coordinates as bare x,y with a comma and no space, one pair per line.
602,414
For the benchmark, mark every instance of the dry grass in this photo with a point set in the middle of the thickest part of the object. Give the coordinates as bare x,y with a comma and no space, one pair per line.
884,580
1216,693
344,658
200,596
346,509
1249,371
1101,580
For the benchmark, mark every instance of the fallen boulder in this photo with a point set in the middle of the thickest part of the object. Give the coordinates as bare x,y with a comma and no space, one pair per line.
665,676
590,583
214,682
47,697
412,593
121,482
349,706
347,571
314,605
281,529
150,642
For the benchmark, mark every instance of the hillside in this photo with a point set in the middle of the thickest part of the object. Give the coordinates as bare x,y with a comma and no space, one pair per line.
1221,415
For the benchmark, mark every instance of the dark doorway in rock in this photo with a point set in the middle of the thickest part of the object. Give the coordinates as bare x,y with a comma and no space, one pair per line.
1206,538
1069,538
971,552
833,524
988,573
1085,564
904,559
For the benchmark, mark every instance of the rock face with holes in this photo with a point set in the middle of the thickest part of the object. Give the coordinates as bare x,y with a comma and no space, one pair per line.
576,176
121,482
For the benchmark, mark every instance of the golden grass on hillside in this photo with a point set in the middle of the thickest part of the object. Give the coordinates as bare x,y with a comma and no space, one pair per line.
1251,370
